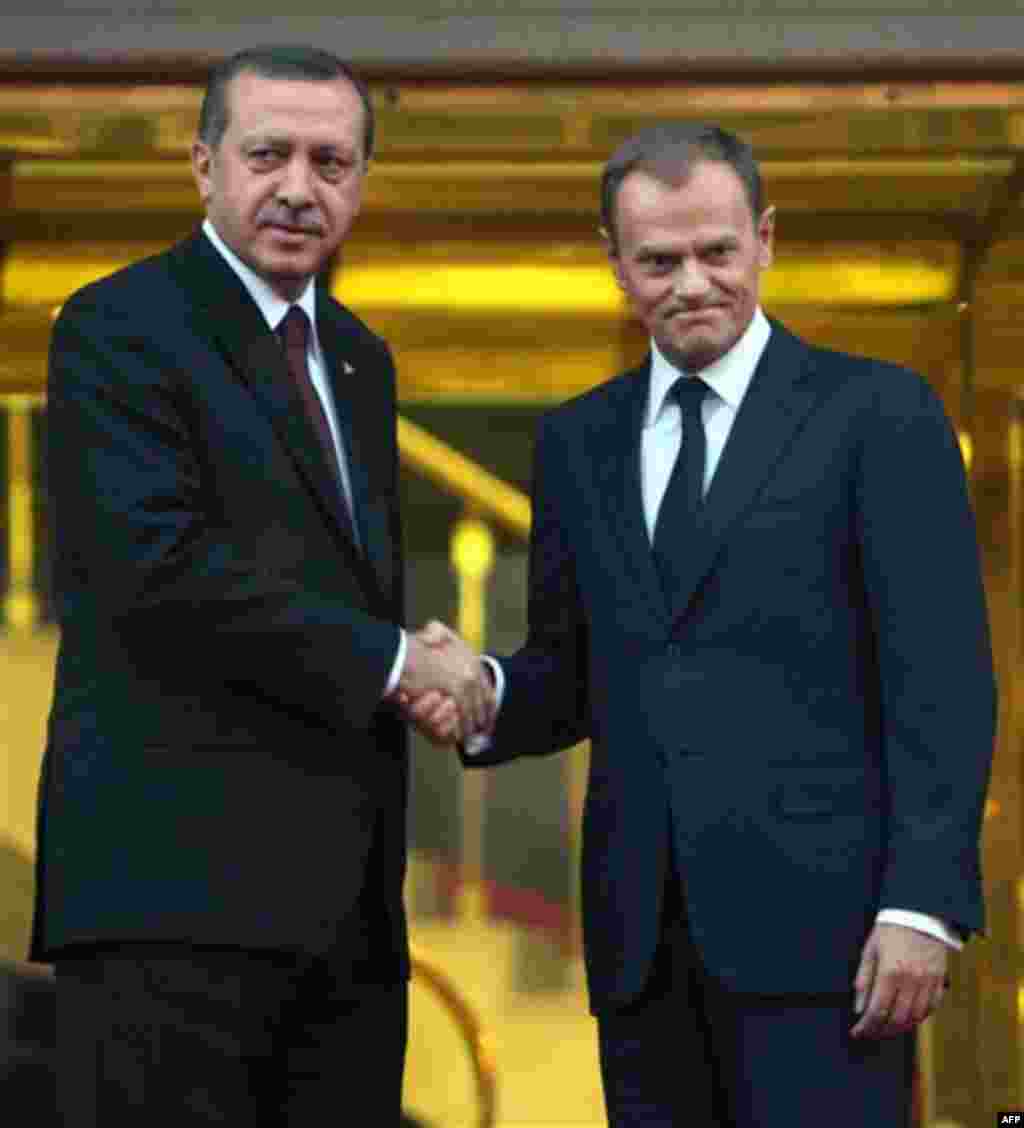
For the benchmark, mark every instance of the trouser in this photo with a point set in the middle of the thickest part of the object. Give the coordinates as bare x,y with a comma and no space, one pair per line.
167,1035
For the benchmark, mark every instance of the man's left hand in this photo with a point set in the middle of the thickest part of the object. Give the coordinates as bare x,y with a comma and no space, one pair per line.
900,981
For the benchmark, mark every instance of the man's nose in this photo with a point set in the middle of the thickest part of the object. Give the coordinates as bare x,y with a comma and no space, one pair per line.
294,189
689,280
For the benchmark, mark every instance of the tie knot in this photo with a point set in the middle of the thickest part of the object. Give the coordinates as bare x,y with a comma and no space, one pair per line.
294,328
689,393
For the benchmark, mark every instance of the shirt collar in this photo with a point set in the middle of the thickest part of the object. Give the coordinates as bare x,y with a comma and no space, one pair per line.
271,305
729,376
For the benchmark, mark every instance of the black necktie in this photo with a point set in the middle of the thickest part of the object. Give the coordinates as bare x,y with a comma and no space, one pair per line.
294,330
678,516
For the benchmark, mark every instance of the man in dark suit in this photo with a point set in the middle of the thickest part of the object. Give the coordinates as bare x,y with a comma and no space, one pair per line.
221,833
754,586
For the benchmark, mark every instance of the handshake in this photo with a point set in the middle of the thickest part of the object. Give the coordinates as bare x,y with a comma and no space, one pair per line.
445,689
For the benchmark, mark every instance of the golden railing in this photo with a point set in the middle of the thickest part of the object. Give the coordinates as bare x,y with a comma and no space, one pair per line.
478,1042
453,472
487,499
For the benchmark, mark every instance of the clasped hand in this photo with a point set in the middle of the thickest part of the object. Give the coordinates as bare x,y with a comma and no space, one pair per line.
445,689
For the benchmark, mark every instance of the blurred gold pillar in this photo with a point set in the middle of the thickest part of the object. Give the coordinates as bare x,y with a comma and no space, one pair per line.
578,771
970,1056
21,604
472,558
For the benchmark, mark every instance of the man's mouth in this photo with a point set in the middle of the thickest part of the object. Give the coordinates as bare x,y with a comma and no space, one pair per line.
690,314
292,229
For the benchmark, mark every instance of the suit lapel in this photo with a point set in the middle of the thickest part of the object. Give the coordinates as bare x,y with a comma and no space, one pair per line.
255,356
615,446
364,412
777,402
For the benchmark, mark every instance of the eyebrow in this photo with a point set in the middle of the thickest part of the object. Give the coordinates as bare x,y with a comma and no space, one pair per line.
255,139
281,141
649,250
654,250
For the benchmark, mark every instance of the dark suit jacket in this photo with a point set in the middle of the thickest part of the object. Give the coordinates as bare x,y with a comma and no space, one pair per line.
219,768
809,720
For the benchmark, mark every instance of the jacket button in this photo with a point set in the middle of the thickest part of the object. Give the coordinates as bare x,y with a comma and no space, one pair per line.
675,650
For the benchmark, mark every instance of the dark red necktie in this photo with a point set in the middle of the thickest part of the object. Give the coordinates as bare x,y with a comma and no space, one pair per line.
294,331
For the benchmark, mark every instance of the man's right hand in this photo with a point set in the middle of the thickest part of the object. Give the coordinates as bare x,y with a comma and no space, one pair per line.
444,688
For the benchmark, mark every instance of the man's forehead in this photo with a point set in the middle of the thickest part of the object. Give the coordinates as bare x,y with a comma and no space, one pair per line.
319,122
251,94
715,205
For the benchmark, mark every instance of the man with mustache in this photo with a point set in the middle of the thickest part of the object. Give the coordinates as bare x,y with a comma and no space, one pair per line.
754,585
222,818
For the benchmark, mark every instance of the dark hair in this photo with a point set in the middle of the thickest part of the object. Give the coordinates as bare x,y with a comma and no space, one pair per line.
668,152
309,64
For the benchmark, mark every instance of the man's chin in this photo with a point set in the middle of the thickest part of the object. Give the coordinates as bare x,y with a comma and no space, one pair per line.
694,352
287,279
285,261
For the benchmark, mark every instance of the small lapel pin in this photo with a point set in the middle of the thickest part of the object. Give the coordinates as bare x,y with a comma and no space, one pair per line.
347,368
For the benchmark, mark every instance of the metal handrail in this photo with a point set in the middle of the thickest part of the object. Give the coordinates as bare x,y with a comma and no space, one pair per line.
448,468
479,1041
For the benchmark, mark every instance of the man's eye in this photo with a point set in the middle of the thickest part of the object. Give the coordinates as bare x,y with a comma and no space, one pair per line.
335,168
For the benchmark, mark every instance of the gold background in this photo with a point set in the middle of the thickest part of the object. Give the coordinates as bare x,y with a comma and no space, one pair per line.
900,234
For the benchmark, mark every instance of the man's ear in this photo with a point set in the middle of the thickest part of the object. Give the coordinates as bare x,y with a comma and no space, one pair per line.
202,160
612,252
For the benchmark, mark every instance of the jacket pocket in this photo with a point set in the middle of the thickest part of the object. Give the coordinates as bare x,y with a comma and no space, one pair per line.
821,792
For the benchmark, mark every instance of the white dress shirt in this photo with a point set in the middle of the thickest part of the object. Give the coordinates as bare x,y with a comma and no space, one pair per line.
728,380
274,307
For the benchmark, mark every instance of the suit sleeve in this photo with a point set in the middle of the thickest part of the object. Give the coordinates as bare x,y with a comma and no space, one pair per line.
133,531
938,698
545,706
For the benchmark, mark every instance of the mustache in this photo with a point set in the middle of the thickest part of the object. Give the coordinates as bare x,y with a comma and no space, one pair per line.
293,221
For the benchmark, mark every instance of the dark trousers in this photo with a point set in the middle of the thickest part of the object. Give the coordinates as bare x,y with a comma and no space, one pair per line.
158,1036
688,1052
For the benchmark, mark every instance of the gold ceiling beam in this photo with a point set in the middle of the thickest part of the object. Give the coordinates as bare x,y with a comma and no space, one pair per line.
177,171
39,275
476,96
488,187
897,277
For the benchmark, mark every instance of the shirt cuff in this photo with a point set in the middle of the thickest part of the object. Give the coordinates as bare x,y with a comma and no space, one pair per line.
482,740
922,922
398,666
